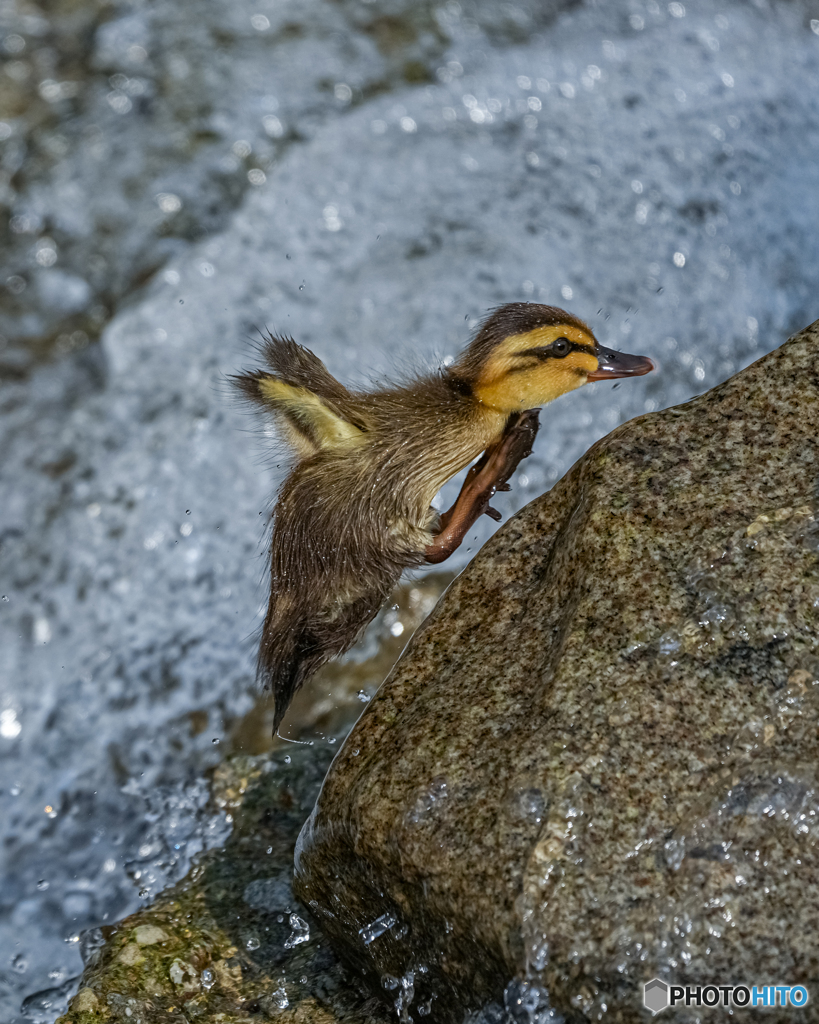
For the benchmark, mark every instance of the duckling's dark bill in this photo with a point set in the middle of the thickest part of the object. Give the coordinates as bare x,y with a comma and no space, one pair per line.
611,364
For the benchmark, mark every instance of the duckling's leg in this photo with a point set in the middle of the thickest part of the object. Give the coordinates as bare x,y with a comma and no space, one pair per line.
487,476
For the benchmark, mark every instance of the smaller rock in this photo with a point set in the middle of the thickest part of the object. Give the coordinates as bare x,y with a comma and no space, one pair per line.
183,974
85,1002
149,935
130,955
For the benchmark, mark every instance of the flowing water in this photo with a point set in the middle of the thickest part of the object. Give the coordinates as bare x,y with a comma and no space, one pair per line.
370,177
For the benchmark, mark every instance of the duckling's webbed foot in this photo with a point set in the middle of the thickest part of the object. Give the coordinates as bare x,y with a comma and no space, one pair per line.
485,478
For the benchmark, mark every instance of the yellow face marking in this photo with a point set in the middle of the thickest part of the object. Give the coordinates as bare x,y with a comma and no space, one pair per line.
511,381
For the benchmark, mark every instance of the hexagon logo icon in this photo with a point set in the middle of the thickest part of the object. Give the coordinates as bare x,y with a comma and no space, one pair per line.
655,995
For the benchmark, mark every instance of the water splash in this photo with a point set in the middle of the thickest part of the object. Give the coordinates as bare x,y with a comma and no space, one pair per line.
376,928
299,934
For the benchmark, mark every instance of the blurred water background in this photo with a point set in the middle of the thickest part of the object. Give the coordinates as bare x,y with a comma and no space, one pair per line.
370,176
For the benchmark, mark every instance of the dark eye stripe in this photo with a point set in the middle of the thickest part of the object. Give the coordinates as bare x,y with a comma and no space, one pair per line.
546,351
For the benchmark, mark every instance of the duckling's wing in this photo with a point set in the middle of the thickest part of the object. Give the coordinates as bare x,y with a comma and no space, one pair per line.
294,364
313,410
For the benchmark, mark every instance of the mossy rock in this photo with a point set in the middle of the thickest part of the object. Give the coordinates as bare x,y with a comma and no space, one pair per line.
217,947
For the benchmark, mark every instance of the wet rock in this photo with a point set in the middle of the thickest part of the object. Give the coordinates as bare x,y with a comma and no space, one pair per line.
230,941
596,763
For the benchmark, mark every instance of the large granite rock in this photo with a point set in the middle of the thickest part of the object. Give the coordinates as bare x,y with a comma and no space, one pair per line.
597,762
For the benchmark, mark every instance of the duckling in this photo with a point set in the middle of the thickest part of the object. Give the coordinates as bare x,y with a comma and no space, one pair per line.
355,510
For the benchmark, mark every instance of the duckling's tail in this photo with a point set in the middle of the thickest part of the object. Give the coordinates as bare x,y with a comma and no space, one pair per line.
296,642
286,661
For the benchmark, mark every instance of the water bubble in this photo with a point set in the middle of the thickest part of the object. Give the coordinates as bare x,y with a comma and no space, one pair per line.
678,259
279,998
46,256
252,943
287,759
376,928
168,202
670,643
405,996
208,979
531,804
527,1002
10,727
273,126
299,934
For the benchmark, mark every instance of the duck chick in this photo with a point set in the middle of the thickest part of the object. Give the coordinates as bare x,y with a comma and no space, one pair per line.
355,510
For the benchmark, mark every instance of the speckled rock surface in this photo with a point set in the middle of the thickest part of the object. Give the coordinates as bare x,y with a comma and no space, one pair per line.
597,761
229,942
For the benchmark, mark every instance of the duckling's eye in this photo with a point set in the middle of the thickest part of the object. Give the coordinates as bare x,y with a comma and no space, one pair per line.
561,347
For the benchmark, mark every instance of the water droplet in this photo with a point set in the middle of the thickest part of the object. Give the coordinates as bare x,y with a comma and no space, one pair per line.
280,999
376,928
187,511
208,979
287,759
215,741
300,933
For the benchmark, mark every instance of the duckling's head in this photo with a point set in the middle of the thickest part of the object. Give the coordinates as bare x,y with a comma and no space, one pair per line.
526,354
